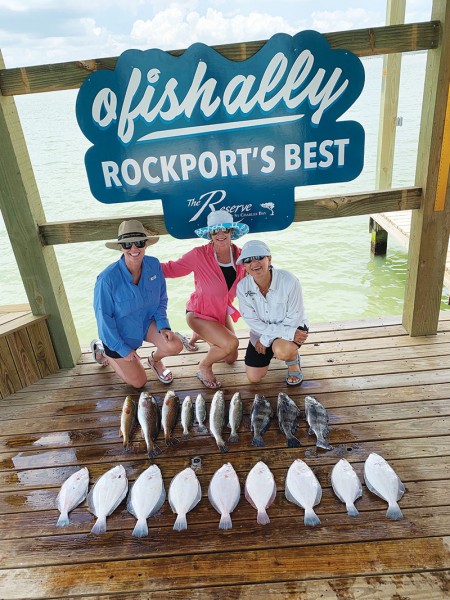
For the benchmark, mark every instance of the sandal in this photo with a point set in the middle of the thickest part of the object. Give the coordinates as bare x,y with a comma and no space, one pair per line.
209,384
189,347
297,374
97,350
164,375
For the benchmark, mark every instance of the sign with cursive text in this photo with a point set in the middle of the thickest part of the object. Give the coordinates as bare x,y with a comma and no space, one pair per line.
202,133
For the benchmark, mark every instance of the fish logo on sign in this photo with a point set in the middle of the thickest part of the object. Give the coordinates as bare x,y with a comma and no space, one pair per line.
201,132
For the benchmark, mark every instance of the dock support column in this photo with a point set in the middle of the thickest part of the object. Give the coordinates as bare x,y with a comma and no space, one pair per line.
430,224
378,242
22,212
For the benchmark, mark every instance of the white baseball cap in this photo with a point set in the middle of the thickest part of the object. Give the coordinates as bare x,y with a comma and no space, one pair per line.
253,248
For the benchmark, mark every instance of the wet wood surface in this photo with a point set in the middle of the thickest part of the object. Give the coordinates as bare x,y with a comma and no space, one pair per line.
384,391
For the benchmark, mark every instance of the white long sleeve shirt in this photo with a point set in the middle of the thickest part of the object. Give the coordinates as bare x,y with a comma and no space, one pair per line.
278,314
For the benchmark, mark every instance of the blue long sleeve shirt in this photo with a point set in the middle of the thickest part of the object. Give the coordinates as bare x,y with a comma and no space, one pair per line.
124,311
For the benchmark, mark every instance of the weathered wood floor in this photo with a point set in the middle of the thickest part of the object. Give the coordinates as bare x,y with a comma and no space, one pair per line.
385,393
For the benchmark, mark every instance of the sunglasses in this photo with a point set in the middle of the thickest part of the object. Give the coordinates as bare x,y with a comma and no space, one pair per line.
220,230
250,259
138,244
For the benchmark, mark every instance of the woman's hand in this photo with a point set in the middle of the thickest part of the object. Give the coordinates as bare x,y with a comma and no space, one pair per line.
260,348
300,336
132,356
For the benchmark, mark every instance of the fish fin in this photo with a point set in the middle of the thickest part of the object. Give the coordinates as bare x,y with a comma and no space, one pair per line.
119,500
130,507
352,511
210,498
225,522
401,490
258,441
322,443
249,499
372,489
159,503
155,451
63,520
180,523
290,497
120,432
310,431
265,428
222,447
293,442
202,429
100,525
394,512
234,437
90,501
262,518
311,518
141,528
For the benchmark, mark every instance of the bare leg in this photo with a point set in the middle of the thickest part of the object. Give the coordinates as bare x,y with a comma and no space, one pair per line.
232,357
287,351
164,347
131,372
256,374
222,344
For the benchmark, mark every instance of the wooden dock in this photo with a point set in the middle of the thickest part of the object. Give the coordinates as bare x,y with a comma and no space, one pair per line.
384,391
398,224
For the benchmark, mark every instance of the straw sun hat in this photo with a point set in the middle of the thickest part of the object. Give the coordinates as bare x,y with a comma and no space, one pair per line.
222,218
132,231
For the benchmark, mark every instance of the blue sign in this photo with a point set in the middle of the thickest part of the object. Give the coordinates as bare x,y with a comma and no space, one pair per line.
202,133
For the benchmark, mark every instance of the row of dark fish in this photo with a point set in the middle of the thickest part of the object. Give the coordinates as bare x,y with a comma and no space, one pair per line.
148,415
302,487
289,415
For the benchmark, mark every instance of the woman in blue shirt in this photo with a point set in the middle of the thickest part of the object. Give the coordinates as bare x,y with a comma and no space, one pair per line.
130,303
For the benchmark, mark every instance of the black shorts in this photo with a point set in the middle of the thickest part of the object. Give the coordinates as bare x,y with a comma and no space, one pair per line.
110,352
255,359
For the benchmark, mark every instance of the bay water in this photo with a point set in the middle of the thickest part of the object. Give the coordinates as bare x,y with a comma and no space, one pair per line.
340,278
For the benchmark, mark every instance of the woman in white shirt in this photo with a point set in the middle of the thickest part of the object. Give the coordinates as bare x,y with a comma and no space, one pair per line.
271,303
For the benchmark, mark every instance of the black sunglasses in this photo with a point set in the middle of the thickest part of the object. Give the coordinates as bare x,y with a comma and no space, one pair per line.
250,259
220,229
138,244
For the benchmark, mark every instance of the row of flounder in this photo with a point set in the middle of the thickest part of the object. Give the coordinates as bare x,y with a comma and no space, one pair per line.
302,487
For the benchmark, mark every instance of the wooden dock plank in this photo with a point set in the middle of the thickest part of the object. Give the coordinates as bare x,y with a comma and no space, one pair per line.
385,393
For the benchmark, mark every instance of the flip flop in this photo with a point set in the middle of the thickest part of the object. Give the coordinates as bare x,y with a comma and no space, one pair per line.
189,347
97,348
213,385
163,374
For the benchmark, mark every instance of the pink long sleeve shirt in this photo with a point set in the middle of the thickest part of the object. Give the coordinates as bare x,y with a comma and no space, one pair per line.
211,299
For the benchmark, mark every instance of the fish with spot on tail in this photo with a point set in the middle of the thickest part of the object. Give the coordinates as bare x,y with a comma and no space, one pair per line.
303,488
217,419
149,420
200,414
169,416
382,480
224,492
317,418
72,493
288,417
260,490
146,497
346,485
106,495
235,417
127,420
260,418
184,495
187,415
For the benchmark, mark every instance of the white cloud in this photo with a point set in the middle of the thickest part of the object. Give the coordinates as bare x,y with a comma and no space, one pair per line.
339,20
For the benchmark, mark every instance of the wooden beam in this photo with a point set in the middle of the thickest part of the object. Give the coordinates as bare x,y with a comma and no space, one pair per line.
22,210
329,207
363,42
390,83
430,227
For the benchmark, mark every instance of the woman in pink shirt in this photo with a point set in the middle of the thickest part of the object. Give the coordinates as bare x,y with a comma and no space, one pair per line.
209,310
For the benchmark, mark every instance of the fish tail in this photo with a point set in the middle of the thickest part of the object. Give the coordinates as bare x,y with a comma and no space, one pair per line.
352,511
63,520
234,437
100,525
321,443
222,446
293,442
202,429
258,441
311,518
394,512
180,523
141,528
262,518
154,451
225,522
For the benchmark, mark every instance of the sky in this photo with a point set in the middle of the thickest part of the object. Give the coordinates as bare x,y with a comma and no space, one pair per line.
51,31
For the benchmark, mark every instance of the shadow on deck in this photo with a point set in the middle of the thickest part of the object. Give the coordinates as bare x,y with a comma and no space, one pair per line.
384,391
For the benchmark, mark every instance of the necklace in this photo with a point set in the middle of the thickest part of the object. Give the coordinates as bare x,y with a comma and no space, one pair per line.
265,289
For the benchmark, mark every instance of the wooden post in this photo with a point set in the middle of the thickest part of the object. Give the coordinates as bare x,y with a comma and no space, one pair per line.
378,244
430,224
395,15
22,212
